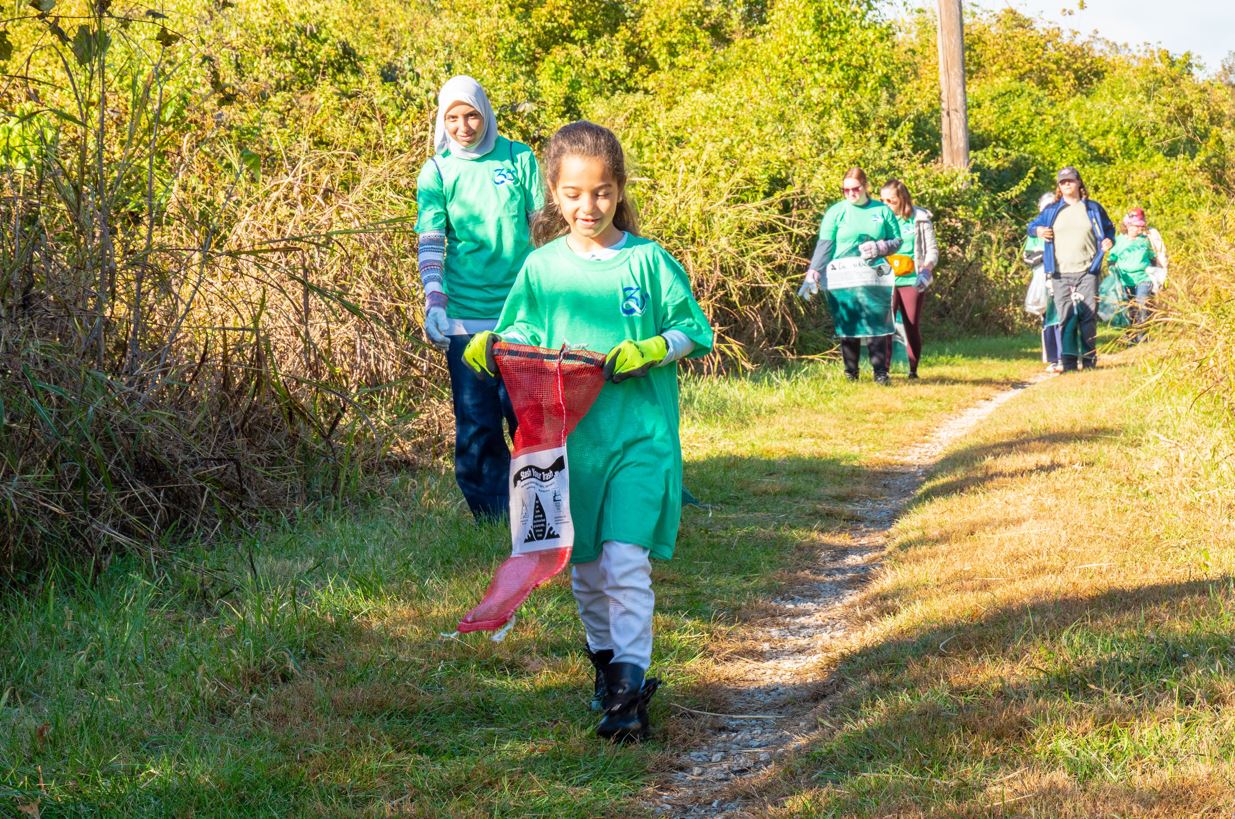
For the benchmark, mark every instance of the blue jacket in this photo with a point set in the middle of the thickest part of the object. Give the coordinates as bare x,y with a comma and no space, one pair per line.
1098,220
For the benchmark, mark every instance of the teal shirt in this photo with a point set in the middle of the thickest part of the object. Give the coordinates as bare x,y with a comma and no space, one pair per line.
848,226
484,206
909,237
1131,259
625,457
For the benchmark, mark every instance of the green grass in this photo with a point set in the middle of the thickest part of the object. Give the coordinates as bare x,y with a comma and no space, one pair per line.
1053,631
321,685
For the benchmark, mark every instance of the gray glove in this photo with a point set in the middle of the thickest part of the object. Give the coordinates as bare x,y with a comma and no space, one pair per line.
810,286
436,326
869,250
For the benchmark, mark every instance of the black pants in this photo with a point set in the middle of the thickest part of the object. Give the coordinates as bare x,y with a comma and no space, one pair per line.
851,354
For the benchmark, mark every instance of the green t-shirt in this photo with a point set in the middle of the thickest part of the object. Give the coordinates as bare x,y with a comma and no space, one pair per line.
1131,258
625,457
484,205
850,225
908,228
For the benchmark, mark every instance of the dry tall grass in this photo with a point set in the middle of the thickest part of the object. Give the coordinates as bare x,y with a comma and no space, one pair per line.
1050,632
188,336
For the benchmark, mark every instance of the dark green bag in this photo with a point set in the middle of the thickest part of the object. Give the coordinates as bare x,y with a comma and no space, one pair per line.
1113,301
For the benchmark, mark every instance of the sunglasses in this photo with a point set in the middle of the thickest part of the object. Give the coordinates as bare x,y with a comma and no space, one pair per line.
850,190
1069,182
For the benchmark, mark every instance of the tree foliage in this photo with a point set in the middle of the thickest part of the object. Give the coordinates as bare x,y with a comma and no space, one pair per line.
207,271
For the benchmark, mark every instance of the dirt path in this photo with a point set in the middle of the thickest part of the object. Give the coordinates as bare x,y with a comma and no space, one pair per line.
769,704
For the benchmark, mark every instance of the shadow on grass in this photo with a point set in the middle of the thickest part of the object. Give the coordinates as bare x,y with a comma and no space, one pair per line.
331,691
1060,683
927,377
960,470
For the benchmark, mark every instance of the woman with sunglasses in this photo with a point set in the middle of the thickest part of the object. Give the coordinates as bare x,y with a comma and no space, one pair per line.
1077,234
854,237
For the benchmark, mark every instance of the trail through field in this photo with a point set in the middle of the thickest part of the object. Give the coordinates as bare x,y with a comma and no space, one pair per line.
771,695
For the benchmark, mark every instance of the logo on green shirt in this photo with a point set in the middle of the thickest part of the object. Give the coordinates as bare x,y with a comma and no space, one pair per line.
503,175
634,300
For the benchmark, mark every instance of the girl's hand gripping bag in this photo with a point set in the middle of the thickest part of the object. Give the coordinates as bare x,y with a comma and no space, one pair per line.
551,391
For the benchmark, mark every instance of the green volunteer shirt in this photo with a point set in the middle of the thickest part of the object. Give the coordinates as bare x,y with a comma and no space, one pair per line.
850,225
908,228
625,458
1131,259
484,205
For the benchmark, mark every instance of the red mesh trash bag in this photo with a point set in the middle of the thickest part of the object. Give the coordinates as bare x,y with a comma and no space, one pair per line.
551,391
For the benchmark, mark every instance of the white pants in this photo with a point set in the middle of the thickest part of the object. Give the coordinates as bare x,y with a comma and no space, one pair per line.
615,600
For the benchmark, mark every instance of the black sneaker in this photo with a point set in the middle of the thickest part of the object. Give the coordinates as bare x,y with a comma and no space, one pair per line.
851,376
882,379
913,375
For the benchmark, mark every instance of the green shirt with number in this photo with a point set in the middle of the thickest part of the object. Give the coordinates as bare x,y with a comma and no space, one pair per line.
485,206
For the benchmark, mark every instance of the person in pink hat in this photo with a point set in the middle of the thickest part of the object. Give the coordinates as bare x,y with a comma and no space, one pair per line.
1130,259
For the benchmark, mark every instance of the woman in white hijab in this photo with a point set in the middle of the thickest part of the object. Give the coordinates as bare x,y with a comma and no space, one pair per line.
475,198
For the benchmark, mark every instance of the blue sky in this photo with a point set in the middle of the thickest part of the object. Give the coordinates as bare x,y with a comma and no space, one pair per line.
1205,27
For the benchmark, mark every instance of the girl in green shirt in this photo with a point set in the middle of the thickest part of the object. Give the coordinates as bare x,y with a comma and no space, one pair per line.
594,283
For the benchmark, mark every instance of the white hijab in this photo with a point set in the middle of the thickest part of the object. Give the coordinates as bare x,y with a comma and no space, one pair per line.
466,90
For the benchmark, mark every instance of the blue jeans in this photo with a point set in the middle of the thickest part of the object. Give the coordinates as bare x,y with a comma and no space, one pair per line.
1051,342
482,459
1139,298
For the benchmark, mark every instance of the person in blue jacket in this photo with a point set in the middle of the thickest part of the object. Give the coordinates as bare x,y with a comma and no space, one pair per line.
1077,233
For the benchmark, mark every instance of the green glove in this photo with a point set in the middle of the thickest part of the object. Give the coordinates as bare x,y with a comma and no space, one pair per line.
478,354
631,358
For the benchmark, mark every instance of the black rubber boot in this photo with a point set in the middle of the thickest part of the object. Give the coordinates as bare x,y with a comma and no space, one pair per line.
626,703
600,662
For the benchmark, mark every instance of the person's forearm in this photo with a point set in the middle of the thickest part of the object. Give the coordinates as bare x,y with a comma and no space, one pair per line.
886,247
824,249
679,346
430,255
931,256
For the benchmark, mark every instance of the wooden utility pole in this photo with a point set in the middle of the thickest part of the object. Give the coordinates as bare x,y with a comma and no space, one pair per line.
952,85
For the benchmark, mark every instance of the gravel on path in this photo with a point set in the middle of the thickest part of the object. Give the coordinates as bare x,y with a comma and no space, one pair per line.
769,701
